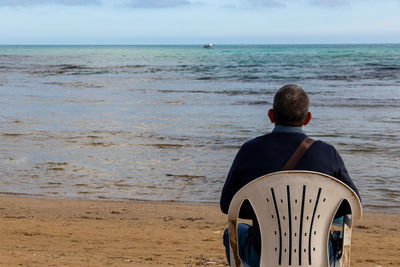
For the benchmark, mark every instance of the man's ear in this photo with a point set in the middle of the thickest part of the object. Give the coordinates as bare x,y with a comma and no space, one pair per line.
308,118
271,115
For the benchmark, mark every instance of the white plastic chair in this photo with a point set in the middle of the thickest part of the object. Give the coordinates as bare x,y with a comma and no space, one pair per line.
295,210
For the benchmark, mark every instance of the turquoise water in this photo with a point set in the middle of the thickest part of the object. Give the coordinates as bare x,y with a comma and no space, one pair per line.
165,122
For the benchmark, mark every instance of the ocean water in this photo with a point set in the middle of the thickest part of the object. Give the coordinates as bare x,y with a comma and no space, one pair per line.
165,122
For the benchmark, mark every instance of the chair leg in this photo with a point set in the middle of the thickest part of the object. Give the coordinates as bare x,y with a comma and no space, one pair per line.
345,260
233,245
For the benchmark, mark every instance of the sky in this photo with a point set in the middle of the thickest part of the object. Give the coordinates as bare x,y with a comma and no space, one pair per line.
136,22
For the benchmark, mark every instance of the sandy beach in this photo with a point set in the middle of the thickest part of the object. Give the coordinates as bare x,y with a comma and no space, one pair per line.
63,232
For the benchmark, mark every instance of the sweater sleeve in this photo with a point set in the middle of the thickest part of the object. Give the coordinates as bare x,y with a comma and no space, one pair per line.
232,183
343,175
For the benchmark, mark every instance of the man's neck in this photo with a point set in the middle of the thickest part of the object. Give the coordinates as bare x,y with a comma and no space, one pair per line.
287,129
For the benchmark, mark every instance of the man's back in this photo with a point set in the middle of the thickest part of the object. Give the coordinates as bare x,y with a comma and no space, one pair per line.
268,153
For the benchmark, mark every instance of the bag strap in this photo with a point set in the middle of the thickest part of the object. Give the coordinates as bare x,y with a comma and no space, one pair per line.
298,154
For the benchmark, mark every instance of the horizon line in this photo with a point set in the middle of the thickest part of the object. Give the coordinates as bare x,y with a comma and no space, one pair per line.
201,44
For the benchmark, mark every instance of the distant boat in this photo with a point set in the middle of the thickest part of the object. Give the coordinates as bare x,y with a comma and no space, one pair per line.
210,45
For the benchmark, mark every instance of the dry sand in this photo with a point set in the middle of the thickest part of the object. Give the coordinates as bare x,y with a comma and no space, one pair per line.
59,232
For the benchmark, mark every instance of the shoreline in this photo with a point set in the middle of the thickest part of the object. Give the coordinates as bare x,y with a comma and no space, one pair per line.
71,232
376,209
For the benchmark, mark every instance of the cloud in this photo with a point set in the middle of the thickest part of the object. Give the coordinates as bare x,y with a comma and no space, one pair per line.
330,3
266,3
53,2
156,3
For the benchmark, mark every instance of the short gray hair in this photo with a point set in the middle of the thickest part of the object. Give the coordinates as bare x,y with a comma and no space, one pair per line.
290,105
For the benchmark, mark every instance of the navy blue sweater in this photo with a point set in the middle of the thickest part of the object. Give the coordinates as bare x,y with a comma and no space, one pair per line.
269,153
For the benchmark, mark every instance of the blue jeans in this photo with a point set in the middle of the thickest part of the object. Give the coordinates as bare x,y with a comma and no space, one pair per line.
246,250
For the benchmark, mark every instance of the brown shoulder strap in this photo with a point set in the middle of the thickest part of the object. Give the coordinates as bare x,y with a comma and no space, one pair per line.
298,154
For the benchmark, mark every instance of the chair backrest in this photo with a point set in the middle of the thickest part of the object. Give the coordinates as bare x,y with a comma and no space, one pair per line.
295,210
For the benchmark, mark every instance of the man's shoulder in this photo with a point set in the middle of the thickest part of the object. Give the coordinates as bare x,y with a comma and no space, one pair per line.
323,145
257,140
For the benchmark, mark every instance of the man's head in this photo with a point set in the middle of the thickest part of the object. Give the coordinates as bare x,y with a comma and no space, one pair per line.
290,107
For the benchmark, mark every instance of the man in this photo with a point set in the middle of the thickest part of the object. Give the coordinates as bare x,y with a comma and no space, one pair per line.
269,153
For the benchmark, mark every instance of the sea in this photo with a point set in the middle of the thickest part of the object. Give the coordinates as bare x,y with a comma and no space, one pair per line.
164,123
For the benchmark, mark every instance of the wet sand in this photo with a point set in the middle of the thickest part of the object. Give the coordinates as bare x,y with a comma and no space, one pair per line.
60,232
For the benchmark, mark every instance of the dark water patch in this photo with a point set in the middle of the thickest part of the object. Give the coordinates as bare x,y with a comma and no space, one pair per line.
78,85
359,104
13,135
154,186
82,101
154,70
327,135
66,69
166,146
55,163
172,102
250,103
185,176
93,136
347,77
55,169
248,78
133,66
221,92
202,68
122,185
363,150
109,132
170,138
81,185
54,183
206,78
390,68
69,67
388,207
389,192
101,144
21,194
